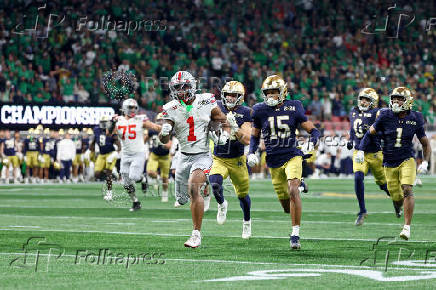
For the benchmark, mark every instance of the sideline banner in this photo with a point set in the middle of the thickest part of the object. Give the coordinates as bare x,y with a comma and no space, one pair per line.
22,117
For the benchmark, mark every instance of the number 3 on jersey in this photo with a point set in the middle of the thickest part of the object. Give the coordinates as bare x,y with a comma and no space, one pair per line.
130,128
191,136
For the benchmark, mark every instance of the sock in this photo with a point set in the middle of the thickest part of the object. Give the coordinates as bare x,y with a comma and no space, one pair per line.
407,227
295,231
216,181
131,191
109,182
360,190
245,203
165,193
385,188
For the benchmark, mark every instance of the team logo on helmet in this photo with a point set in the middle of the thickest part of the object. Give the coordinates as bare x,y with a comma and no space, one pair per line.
233,87
406,94
274,82
371,95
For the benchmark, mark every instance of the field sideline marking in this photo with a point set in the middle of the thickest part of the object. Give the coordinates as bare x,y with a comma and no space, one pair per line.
404,266
187,235
238,210
257,220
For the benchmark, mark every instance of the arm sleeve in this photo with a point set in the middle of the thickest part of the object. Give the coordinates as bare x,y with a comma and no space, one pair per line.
378,124
256,120
420,131
299,109
366,140
351,129
254,144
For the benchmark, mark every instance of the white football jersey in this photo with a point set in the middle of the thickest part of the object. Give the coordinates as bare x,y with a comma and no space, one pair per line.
131,134
191,127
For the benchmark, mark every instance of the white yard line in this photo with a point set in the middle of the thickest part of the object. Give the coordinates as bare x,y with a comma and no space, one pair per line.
208,235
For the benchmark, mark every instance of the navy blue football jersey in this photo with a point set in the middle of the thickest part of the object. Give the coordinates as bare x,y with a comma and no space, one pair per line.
48,146
31,144
397,134
106,143
360,123
278,129
233,148
9,146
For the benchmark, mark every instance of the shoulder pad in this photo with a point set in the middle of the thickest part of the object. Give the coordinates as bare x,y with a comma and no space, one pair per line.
171,106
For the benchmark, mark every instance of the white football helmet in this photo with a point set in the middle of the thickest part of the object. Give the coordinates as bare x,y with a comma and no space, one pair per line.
129,108
183,86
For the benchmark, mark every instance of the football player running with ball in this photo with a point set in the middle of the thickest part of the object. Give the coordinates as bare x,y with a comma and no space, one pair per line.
130,130
361,118
397,127
229,159
188,115
277,119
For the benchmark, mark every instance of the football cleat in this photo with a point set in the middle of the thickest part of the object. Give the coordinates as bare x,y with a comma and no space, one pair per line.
164,196
221,215
295,242
303,187
206,203
194,241
177,204
246,229
405,234
108,195
136,206
360,219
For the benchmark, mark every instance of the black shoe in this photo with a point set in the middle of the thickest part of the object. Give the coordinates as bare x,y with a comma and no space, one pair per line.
136,206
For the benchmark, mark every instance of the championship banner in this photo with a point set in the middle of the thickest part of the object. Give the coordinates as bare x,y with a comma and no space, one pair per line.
20,117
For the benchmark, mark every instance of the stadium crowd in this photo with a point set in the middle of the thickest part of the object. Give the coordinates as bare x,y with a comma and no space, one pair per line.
320,50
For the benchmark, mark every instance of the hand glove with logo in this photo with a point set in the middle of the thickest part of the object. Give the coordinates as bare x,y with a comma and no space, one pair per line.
166,129
232,122
350,145
360,157
422,169
252,160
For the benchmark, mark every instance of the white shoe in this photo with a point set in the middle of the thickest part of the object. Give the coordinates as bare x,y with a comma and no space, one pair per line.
246,229
177,204
108,196
164,196
221,215
206,203
194,241
405,234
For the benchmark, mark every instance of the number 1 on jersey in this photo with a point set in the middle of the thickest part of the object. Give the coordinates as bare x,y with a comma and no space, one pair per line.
398,141
191,136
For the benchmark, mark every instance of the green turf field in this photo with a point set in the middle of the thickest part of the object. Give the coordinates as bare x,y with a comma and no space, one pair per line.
67,226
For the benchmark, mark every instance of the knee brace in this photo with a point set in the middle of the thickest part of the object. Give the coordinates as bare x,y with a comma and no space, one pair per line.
407,194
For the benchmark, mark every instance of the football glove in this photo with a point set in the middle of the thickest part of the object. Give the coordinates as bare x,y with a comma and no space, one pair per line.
220,139
422,169
360,157
41,158
166,129
252,160
350,145
232,122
